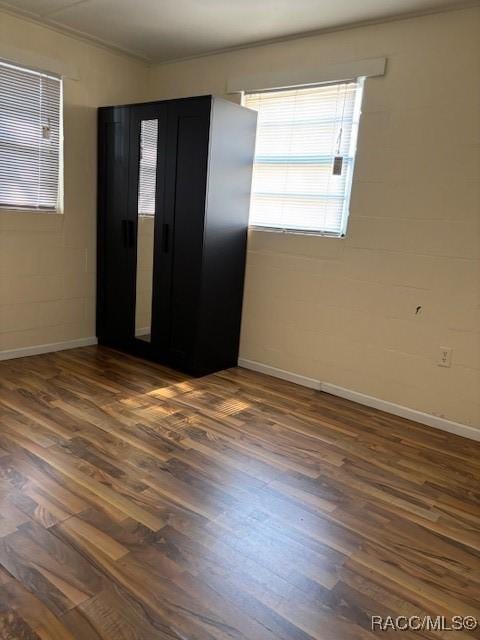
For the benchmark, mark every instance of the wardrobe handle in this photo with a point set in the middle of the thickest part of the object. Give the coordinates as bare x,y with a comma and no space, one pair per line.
131,234
125,233
166,237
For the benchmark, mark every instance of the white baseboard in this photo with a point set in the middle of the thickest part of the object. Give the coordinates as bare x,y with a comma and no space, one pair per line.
404,412
303,381
144,331
46,348
428,419
370,401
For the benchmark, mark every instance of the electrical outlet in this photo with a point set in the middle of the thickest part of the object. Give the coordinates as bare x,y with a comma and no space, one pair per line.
445,359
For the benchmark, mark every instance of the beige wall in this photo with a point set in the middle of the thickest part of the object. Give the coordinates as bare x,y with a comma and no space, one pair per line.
47,262
343,311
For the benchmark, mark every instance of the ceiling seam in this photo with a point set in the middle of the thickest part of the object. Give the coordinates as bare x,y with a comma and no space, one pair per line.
467,4
149,61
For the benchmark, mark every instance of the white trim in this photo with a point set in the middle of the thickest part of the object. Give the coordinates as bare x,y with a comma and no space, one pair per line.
46,348
308,76
466,431
65,30
89,39
280,373
404,412
143,331
43,64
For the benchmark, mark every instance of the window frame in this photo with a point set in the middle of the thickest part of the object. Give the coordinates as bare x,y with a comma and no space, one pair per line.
360,82
59,207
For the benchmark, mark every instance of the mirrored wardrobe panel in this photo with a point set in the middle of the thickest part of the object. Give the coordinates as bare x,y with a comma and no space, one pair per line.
147,183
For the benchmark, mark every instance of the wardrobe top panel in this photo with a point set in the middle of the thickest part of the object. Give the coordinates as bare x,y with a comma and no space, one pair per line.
204,98
154,102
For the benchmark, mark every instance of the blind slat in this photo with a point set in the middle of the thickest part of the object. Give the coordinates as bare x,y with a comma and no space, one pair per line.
30,139
147,179
299,134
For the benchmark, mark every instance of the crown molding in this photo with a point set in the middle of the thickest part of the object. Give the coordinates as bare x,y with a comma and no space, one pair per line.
458,6
87,38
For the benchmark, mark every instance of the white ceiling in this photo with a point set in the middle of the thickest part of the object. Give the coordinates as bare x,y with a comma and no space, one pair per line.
161,30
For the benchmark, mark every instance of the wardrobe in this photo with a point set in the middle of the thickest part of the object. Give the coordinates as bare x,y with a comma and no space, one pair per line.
174,182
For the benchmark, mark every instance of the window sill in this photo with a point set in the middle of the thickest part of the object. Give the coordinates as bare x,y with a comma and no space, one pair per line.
297,232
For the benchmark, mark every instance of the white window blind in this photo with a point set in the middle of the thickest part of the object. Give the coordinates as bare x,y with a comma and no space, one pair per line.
147,179
30,139
304,159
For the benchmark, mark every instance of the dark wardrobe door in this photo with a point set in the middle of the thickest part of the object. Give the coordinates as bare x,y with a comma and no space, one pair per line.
180,232
115,286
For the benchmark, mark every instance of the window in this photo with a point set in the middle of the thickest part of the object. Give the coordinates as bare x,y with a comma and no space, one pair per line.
147,177
304,159
30,139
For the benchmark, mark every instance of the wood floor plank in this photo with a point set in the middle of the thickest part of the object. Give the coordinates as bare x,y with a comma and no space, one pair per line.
61,463
40,619
137,503
54,571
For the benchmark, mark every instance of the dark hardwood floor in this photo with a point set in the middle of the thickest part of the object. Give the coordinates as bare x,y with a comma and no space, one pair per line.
138,504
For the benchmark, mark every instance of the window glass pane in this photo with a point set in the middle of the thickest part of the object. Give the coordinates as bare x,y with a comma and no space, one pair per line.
30,139
300,133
